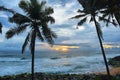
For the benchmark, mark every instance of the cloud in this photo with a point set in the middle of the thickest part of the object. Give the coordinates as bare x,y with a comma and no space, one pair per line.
41,46
2,36
79,28
69,31
1,40
111,34
65,32
74,41
9,3
63,13
3,15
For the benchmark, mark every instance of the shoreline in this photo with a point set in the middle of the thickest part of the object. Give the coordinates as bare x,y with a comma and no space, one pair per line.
115,75
113,71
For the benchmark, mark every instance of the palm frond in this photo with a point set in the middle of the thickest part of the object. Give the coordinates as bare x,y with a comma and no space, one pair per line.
21,28
107,21
38,33
0,27
50,19
33,2
97,4
36,9
19,19
78,16
117,17
53,34
25,42
42,4
16,30
82,21
2,8
24,5
48,34
87,4
82,2
49,10
115,23
80,11
91,19
10,33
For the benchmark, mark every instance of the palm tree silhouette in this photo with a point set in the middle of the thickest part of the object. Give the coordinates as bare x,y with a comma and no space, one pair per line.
91,8
36,18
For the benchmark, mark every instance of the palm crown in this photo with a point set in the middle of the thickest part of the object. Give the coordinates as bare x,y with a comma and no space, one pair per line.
92,9
37,18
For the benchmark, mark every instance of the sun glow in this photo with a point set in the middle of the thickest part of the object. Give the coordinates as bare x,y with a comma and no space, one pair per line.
110,46
57,49
63,48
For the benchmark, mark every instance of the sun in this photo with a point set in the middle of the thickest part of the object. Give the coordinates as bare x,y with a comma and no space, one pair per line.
57,49
64,49
61,49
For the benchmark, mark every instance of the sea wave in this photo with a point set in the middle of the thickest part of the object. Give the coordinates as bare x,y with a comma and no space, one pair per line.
79,64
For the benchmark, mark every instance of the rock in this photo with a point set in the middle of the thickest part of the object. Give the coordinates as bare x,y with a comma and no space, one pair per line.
115,62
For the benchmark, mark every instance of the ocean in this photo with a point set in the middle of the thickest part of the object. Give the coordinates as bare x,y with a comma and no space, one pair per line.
55,62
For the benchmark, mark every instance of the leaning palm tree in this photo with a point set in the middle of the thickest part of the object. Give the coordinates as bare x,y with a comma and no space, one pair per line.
36,18
91,9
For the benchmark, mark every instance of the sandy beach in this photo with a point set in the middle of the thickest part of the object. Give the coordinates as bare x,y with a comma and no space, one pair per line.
113,71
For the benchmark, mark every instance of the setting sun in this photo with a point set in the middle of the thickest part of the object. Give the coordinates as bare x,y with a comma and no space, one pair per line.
111,46
63,48
57,49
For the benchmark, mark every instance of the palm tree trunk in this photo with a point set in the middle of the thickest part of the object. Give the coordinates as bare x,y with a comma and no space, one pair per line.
102,49
32,67
33,53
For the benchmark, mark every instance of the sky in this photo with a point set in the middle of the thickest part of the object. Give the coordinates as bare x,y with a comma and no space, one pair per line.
64,27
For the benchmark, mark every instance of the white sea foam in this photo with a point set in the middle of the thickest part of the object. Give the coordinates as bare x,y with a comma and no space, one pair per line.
80,64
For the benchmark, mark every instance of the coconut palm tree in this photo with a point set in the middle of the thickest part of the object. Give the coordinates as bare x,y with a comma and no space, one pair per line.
36,18
91,8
